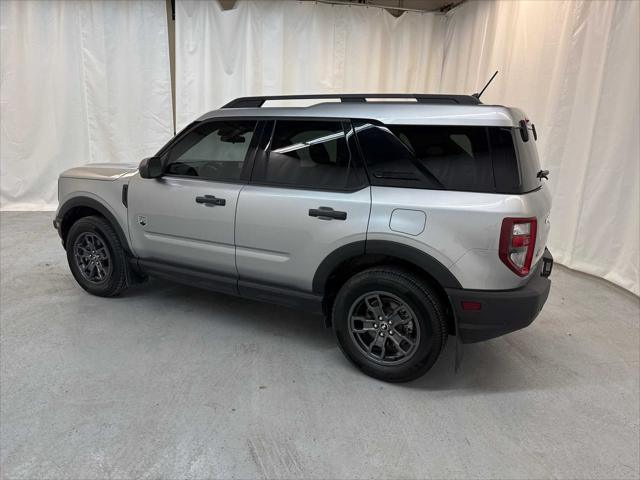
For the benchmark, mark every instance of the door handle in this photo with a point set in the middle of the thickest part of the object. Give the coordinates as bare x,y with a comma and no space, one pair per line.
327,213
211,201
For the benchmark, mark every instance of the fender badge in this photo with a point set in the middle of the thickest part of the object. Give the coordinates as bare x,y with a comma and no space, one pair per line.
142,220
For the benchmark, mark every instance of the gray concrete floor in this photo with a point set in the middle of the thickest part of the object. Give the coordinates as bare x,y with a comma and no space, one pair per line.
172,382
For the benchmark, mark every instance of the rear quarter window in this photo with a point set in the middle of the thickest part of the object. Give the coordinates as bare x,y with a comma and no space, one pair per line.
458,157
462,158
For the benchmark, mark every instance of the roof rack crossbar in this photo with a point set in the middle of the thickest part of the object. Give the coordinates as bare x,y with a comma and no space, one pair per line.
257,102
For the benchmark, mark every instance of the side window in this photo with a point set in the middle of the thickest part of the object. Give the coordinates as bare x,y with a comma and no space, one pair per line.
457,157
505,163
390,159
212,151
303,153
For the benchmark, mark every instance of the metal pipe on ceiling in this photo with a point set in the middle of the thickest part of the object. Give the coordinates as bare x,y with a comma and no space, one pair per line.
376,5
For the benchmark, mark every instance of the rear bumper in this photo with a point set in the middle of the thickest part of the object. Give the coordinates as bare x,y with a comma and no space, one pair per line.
501,311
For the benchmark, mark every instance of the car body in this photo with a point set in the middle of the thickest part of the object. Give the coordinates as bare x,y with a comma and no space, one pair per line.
289,204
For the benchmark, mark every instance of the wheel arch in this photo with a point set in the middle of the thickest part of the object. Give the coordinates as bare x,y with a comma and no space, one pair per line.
353,258
79,207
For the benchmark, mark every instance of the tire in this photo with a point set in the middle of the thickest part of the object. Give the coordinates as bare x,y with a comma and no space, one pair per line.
419,324
110,255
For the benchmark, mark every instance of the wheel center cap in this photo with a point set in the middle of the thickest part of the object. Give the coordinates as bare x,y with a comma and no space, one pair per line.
383,326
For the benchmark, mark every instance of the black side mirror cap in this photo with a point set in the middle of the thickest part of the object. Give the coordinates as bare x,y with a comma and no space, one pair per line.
151,167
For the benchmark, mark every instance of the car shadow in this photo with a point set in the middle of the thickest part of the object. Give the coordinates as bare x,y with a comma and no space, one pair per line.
259,317
492,366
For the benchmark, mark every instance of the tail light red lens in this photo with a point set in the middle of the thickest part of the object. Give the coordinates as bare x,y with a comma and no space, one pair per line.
517,243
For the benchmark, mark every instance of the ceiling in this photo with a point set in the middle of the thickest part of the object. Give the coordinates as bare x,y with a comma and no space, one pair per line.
392,5
425,5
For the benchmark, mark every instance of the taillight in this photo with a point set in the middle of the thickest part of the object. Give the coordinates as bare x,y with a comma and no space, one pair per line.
517,243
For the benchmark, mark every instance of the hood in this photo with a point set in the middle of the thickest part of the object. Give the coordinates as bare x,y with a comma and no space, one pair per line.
101,171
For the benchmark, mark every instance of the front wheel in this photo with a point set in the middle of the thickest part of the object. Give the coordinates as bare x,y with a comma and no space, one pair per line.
389,323
96,257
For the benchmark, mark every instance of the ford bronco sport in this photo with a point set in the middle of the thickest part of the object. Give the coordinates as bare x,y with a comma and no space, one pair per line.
403,221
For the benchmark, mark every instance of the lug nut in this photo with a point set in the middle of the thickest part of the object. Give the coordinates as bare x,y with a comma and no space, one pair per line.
375,325
382,334
379,318
391,332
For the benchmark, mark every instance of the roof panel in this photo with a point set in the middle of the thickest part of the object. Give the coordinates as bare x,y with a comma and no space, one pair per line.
406,113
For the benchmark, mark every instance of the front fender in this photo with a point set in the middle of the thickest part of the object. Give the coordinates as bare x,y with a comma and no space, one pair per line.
65,216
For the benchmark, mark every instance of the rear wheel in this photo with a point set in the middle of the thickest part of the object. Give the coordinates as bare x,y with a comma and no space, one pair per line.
96,257
389,323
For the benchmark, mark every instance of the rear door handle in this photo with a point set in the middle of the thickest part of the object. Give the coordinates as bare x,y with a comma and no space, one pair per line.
211,201
327,213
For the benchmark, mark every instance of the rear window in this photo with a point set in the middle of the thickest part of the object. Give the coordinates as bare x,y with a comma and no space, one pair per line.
464,158
528,161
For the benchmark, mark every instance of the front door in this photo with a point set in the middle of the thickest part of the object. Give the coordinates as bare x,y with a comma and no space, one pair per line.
187,216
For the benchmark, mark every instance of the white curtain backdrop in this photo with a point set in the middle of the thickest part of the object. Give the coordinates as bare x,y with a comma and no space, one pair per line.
574,68
266,47
89,82
80,82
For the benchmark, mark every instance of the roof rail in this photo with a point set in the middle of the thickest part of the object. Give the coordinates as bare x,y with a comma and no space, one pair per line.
256,102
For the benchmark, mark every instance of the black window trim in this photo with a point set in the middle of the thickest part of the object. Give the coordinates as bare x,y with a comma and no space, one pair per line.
354,157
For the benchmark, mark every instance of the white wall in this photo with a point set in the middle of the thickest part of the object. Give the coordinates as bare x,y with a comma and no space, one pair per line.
81,82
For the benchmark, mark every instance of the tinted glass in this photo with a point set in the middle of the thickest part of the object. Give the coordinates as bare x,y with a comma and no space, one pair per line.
390,162
310,154
529,162
213,151
457,158
505,163
477,159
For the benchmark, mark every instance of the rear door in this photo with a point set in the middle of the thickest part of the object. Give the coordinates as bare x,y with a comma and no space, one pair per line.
187,216
307,197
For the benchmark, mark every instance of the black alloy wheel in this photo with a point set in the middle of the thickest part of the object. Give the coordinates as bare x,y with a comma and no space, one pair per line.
384,327
92,257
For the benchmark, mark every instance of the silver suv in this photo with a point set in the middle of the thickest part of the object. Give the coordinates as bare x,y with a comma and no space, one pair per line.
402,222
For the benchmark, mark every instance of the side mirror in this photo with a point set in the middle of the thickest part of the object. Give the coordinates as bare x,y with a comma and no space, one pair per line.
150,167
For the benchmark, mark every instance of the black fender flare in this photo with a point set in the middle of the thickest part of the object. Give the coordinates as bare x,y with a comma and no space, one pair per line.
82,201
424,261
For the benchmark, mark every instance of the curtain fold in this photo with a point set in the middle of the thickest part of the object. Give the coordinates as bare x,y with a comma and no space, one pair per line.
81,82
89,82
572,66
271,47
